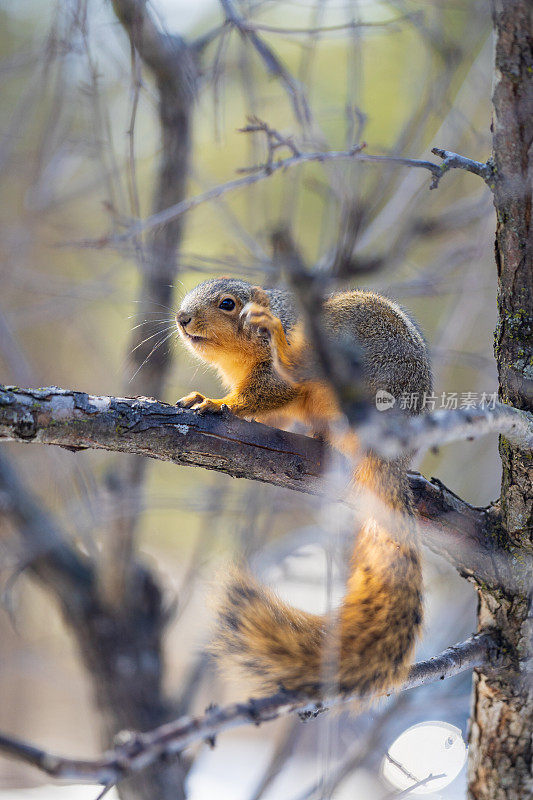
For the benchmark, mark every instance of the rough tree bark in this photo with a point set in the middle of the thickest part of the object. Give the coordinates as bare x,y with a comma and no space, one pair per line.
502,706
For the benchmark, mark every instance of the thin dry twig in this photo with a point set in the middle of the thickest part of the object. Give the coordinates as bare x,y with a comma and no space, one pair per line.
272,63
346,27
178,209
455,161
417,784
136,751
274,141
259,172
451,161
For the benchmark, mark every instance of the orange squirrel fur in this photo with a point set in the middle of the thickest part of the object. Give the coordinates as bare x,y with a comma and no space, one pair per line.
257,342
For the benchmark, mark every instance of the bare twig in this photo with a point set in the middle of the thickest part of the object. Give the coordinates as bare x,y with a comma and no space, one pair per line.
139,750
455,161
366,742
347,27
451,161
204,40
259,172
272,62
274,141
415,785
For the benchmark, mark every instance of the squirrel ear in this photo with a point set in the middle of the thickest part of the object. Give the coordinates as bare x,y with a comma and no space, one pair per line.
260,297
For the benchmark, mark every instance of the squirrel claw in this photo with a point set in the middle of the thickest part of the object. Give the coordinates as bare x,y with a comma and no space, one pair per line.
198,402
206,404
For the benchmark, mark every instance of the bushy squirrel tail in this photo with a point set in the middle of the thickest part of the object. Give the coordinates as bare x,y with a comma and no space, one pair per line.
367,645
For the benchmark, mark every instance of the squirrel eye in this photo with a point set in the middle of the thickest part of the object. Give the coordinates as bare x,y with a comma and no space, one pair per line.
227,305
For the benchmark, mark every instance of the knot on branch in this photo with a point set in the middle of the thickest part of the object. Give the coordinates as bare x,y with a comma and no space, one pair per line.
25,426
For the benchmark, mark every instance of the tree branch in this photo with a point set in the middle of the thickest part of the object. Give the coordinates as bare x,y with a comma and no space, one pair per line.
139,750
259,172
466,536
455,161
451,161
142,425
394,435
272,63
47,551
178,209
346,27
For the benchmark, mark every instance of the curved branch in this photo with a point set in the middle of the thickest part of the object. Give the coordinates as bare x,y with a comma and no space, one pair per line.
139,750
257,173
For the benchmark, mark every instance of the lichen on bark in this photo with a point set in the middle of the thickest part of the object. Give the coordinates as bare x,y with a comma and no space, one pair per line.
502,704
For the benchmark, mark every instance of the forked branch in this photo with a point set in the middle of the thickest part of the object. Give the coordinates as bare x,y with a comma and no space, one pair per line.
257,172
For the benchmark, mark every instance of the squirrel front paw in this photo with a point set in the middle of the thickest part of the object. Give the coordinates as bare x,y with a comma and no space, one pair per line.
190,400
197,402
259,319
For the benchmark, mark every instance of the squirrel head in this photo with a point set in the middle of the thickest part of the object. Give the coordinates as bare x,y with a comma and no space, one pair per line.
209,317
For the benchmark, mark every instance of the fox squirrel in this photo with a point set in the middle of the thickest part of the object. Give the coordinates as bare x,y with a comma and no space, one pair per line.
257,342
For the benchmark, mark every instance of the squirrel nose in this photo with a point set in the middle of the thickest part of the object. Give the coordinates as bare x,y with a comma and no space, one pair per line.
183,318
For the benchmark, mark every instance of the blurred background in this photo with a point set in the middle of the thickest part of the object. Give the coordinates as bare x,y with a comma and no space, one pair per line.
80,140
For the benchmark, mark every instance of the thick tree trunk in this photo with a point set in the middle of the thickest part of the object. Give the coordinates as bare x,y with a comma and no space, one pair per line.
502,713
